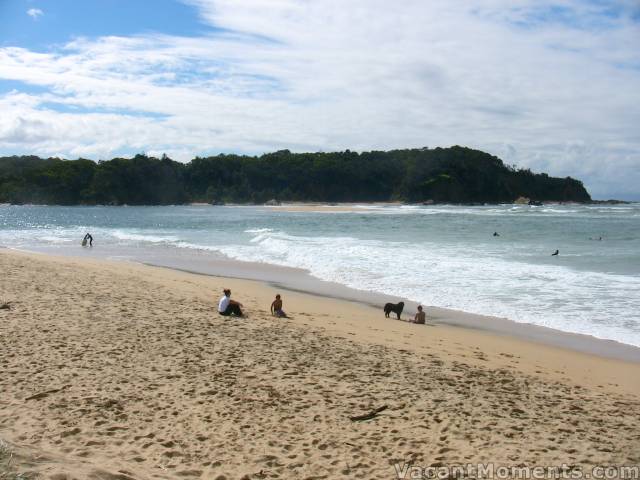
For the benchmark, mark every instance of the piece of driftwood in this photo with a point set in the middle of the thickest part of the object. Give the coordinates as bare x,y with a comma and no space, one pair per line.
370,415
40,395
5,306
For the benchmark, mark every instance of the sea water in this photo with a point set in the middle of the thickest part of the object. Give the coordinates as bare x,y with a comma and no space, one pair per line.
445,256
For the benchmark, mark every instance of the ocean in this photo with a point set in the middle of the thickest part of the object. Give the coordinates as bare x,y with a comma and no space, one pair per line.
444,256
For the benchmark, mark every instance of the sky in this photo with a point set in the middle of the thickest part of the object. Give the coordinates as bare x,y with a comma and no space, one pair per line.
549,85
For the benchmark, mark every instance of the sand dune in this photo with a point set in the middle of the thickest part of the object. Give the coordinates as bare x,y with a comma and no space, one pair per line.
118,371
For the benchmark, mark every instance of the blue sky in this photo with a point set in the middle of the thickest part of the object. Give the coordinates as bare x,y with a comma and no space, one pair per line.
548,85
62,20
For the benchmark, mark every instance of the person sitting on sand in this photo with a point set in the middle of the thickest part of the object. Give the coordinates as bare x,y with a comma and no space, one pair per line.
276,308
420,316
228,307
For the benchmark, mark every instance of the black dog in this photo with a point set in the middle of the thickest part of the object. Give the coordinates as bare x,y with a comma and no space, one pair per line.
393,307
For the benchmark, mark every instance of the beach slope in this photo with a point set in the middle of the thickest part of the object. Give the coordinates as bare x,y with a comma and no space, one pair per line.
122,371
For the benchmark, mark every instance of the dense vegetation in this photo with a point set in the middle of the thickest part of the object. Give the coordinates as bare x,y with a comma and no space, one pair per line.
452,175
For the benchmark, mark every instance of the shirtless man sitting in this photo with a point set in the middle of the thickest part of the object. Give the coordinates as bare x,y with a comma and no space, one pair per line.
276,307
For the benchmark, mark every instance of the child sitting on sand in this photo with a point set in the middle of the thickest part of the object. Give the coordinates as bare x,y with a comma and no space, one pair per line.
420,316
276,307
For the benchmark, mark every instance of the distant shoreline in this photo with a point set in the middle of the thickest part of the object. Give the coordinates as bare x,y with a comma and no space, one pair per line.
311,204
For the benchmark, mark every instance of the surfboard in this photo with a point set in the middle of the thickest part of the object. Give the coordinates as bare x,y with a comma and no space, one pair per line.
84,242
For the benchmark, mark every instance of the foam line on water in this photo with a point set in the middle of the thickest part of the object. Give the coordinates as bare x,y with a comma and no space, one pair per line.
136,236
459,266
548,295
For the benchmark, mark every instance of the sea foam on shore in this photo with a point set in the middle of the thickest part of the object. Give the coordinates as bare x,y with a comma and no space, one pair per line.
441,256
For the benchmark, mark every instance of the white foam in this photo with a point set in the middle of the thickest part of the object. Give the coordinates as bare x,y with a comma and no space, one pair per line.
555,296
552,210
142,237
59,240
475,276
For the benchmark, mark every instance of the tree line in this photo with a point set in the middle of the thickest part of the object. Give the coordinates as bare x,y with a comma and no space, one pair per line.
439,175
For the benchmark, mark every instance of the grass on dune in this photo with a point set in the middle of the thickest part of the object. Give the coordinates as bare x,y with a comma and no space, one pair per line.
8,470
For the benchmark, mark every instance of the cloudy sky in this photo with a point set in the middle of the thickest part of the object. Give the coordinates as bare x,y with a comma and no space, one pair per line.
549,85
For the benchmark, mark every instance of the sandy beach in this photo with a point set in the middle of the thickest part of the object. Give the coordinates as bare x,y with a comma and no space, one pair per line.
329,207
115,370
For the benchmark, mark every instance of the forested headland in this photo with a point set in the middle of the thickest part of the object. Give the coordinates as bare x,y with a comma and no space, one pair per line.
439,175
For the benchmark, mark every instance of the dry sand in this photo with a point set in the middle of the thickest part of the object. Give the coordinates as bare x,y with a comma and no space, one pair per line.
119,371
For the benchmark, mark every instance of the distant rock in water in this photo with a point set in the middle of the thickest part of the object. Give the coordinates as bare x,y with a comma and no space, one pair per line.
456,175
272,203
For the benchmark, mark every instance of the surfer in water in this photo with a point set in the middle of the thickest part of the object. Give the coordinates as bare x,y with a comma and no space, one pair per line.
87,238
555,253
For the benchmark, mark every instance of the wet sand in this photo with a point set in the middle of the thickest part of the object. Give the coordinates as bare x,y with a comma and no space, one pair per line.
115,370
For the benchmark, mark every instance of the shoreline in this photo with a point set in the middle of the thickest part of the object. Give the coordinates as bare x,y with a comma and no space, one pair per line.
547,336
466,327
312,204
168,389
298,280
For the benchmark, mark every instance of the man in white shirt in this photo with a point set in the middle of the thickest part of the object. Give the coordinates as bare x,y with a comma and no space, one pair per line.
228,307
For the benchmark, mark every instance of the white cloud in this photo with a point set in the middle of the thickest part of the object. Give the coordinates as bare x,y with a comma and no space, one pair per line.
35,13
559,94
